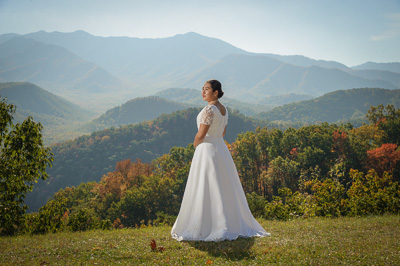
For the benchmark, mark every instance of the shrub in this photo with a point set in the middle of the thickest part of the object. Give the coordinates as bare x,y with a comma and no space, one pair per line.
277,209
83,220
256,204
328,197
372,194
164,219
51,218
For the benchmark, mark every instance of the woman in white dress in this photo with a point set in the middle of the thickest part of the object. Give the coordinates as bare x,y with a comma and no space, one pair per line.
214,207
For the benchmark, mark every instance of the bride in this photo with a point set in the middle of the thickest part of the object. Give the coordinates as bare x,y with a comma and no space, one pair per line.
214,207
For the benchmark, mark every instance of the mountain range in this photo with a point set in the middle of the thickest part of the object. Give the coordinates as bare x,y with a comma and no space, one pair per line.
193,98
392,67
38,102
137,95
88,157
334,107
102,72
64,120
250,77
134,111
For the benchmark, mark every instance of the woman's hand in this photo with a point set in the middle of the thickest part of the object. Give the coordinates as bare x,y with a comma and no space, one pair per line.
201,134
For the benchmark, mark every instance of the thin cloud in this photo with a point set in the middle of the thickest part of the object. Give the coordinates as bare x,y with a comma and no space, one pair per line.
392,30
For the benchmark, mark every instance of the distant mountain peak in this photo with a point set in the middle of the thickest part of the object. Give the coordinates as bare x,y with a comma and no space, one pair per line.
191,33
390,66
82,32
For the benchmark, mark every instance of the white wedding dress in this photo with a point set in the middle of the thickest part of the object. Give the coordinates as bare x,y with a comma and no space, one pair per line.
214,207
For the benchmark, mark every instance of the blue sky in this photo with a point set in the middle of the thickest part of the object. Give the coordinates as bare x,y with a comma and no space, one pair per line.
348,31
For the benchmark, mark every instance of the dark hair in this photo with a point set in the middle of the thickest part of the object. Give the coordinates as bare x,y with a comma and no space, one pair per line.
216,86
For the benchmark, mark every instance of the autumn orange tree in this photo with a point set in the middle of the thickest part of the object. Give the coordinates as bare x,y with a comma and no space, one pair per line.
384,159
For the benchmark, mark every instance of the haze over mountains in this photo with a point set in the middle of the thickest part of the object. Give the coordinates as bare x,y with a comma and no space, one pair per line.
78,84
101,72
29,97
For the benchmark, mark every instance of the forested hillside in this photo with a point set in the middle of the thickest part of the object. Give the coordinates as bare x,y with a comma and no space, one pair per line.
56,114
193,97
37,101
284,99
134,111
337,106
89,157
317,170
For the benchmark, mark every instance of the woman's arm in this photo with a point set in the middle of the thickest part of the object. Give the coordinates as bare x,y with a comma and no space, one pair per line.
223,134
200,134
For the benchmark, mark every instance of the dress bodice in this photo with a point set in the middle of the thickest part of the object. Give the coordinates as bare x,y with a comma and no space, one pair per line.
210,115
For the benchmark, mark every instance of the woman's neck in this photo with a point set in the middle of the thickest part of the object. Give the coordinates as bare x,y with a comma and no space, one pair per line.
213,102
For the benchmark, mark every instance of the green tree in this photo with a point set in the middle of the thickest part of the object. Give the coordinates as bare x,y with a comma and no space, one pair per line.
282,173
248,160
373,194
388,119
361,140
23,160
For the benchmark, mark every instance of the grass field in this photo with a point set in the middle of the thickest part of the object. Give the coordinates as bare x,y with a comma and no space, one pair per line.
372,240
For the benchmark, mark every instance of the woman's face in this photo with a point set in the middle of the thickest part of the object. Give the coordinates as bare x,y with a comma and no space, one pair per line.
208,94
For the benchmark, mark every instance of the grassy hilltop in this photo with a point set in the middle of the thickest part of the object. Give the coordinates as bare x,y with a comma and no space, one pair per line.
371,240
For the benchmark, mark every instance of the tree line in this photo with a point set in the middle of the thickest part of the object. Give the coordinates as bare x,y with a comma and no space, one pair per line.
316,170
88,157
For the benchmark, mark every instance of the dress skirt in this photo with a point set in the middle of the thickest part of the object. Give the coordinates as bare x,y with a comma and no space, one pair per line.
214,206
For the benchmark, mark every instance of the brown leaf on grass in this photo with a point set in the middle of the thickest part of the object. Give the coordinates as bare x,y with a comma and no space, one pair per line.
97,248
209,261
153,245
265,252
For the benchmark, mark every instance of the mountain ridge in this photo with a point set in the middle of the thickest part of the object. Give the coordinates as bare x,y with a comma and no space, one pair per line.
271,78
333,107
109,70
57,115
28,96
193,98
134,111
59,71
134,52
390,66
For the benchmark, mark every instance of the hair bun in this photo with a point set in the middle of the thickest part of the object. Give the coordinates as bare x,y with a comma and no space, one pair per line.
216,86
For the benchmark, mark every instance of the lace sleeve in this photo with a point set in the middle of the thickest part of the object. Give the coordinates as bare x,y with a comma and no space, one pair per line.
207,116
